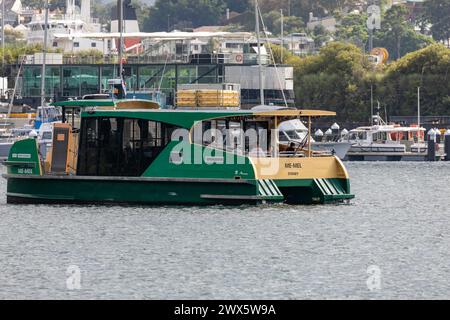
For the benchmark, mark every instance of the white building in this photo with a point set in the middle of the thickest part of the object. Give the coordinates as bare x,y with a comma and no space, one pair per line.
297,43
329,23
75,20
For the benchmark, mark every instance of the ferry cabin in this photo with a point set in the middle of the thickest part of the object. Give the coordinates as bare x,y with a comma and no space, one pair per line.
127,151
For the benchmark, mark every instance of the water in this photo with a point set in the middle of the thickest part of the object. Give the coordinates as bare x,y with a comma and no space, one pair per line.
399,223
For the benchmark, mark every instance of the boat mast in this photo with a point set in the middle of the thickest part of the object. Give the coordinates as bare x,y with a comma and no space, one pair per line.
282,36
44,55
11,101
3,35
261,85
120,28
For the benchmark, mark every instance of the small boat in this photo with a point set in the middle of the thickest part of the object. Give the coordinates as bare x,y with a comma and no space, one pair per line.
128,151
385,142
44,118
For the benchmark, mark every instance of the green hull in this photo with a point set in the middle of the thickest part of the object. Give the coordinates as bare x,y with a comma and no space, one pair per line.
133,191
153,191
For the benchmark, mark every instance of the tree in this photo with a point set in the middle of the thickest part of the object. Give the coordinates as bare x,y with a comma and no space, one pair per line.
291,24
353,29
428,68
102,11
238,5
339,78
397,35
437,13
170,13
320,35
395,26
335,79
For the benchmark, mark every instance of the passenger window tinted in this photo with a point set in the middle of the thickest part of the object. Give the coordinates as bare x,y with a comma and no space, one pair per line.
120,146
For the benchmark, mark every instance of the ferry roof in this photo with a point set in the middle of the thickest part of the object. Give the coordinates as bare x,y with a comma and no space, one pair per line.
184,118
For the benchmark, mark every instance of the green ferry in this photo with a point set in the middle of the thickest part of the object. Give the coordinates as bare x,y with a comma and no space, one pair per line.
133,152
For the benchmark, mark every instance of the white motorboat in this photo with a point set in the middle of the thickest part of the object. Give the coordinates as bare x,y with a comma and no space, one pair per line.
385,142
294,131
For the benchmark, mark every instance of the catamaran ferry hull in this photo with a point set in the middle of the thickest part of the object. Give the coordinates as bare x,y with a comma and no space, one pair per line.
156,191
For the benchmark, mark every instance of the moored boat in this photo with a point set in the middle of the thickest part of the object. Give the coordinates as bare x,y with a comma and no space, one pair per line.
385,142
127,151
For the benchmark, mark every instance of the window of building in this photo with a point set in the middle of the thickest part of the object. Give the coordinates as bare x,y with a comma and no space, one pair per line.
93,45
76,44
55,44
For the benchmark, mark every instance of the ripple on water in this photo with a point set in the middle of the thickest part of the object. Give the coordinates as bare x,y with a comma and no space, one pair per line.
399,221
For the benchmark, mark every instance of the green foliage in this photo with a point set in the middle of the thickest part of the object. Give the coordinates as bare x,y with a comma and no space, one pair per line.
320,35
272,21
15,50
339,78
238,5
397,35
102,11
13,37
437,12
428,68
353,29
335,79
178,14
36,4
283,56
93,55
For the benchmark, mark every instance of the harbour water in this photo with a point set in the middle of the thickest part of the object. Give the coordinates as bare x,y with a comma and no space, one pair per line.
391,241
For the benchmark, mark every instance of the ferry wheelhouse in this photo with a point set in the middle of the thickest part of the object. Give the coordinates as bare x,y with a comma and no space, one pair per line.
129,151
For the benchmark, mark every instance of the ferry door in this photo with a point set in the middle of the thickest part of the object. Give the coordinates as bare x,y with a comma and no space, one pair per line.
60,147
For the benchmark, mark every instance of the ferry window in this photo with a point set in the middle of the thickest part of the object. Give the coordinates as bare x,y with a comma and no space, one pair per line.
261,138
71,115
282,137
120,146
236,135
292,134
